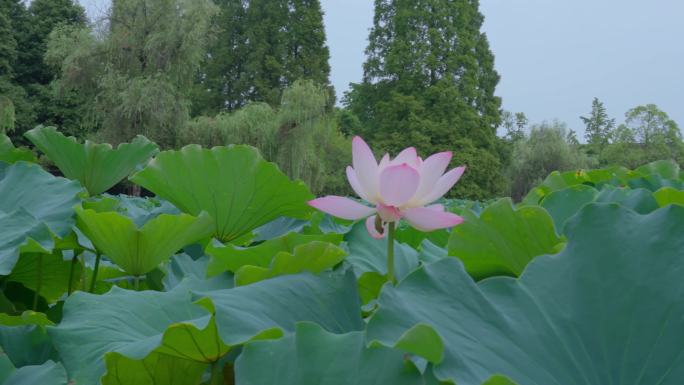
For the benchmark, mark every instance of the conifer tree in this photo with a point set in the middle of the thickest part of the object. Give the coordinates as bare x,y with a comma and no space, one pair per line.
429,81
219,87
8,47
598,126
261,47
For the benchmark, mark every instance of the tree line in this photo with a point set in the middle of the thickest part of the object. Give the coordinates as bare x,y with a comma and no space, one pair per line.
257,72
646,134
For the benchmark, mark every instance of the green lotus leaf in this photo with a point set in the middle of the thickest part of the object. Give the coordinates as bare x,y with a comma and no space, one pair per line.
25,340
278,228
616,176
499,380
49,373
605,310
321,223
274,306
21,232
97,166
6,367
49,199
429,252
235,185
54,274
666,169
668,195
133,324
140,250
313,257
563,204
412,237
140,325
502,240
367,254
313,356
35,207
655,182
639,200
192,274
155,369
11,154
231,258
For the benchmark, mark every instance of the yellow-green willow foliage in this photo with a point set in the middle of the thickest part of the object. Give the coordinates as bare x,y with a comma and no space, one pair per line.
138,69
301,136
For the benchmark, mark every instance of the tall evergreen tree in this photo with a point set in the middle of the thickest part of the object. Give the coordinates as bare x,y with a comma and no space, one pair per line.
8,47
44,16
267,50
219,86
16,103
28,87
260,48
429,81
307,54
598,126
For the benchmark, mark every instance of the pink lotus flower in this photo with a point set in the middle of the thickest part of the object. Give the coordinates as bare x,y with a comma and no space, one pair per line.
397,188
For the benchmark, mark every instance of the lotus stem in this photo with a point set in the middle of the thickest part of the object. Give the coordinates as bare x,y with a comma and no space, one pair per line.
390,252
216,374
74,259
39,282
83,272
136,282
97,266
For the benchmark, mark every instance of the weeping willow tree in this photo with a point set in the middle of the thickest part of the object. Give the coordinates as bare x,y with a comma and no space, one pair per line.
301,136
256,124
138,70
6,115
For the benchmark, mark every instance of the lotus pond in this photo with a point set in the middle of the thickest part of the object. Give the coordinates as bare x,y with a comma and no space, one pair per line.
227,276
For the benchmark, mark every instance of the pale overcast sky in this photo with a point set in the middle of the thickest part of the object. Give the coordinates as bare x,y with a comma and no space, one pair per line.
553,56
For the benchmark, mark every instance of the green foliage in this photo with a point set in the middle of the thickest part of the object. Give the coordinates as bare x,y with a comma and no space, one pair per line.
283,290
545,150
232,258
514,124
8,46
52,268
300,136
25,75
313,257
11,154
48,373
196,179
34,206
260,48
98,167
139,250
304,357
652,176
598,126
648,134
564,320
7,115
429,82
137,74
502,240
